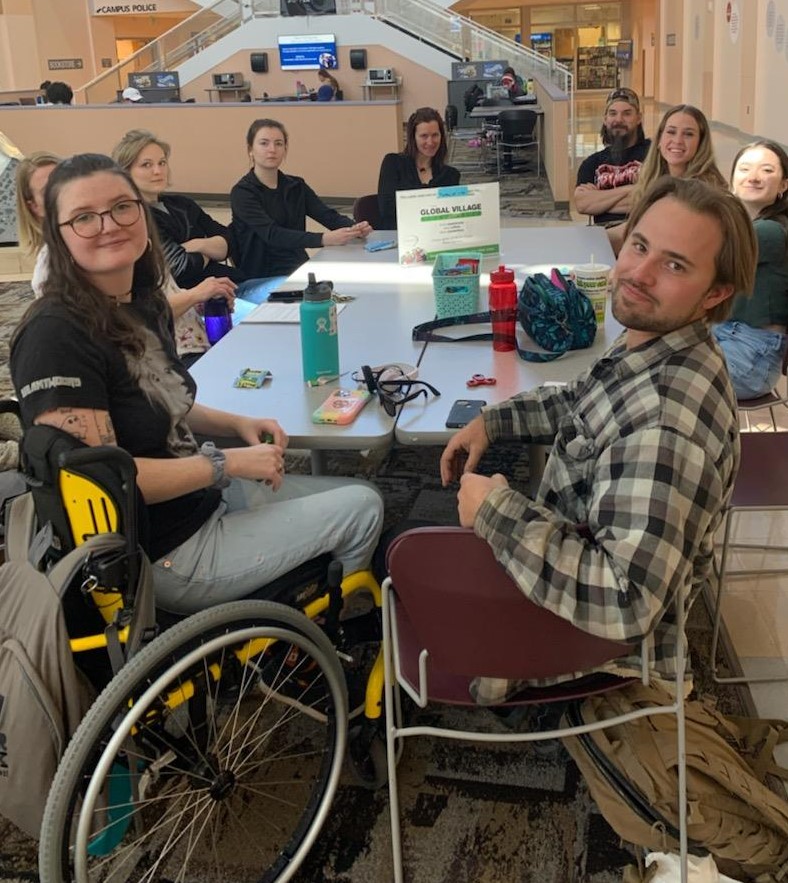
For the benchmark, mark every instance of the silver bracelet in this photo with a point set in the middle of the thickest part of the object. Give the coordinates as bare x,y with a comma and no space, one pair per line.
218,462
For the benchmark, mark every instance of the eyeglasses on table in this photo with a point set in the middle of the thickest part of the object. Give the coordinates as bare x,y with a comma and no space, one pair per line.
393,391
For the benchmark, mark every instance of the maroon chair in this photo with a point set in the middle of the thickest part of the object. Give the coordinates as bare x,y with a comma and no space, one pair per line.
367,208
451,613
761,486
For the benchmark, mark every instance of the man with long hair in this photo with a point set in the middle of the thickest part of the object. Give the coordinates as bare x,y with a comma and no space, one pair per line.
606,179
645,442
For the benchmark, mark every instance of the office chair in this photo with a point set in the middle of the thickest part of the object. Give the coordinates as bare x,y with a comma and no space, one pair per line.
516,132
452,613
366,208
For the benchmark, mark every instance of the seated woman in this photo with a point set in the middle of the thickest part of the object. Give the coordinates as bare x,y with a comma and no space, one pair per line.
270,210
328,86
194,244
682,147
421,163
190,339
94,357
753,339
32,175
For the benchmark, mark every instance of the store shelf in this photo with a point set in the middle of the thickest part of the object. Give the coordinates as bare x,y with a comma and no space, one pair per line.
596,68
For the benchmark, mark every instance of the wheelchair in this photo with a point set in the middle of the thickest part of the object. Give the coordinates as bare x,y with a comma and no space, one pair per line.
215,745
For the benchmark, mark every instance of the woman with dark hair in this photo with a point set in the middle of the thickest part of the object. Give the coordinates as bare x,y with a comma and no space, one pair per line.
94,357
754,337
421,163
270,210
513,83
328,86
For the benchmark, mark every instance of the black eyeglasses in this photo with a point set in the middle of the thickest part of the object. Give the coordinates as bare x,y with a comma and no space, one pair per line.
626,95
393,392
88,225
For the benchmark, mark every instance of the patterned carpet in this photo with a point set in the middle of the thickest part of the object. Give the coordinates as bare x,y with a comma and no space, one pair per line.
500,815
523,194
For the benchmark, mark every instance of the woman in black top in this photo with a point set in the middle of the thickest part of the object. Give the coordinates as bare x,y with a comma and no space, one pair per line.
270,210
421,164
195,245
94,357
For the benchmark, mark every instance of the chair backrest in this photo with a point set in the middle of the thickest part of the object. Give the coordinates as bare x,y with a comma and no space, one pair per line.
517,123
366,208
474,621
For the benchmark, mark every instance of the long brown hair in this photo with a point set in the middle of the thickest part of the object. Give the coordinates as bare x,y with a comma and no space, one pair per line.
702,166
425,115
70,286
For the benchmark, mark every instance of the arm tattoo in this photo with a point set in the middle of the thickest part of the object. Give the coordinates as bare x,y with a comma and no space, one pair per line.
107,432
73,424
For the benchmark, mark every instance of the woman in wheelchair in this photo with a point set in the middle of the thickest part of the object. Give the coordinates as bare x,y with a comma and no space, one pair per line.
95,358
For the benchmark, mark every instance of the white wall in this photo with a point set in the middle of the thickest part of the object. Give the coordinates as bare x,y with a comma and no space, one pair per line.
771,71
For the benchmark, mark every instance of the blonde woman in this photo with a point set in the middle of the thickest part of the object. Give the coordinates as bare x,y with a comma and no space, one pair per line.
681,148
32,175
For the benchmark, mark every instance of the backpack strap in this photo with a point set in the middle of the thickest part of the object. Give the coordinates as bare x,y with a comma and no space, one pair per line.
20,520
426,331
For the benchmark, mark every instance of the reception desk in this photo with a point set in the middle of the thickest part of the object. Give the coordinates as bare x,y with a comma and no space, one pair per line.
336,146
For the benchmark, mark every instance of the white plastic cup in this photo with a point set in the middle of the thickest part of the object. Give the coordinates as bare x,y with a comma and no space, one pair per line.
594,280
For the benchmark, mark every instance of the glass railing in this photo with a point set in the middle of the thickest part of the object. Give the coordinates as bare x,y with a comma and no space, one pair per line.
466,39
170,50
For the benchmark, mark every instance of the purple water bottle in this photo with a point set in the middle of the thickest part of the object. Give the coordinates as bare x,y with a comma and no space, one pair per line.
218,320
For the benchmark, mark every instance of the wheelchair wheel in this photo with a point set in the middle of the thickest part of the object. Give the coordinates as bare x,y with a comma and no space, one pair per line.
194,765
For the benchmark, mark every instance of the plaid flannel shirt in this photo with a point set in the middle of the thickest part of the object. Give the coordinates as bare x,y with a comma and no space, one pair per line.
645,449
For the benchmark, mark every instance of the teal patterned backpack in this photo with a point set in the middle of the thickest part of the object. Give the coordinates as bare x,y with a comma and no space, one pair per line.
555,314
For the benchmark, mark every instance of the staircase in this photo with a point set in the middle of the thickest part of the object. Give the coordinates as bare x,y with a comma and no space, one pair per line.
424,21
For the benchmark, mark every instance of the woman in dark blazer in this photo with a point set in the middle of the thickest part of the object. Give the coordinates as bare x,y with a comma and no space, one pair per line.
421,164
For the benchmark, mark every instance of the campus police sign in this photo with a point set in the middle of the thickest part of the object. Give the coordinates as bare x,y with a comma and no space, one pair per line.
99,7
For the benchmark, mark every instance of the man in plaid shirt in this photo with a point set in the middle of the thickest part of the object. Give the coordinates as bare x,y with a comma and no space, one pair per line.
644,443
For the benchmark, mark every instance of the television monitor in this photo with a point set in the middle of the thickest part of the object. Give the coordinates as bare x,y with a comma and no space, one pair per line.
308,52
155,80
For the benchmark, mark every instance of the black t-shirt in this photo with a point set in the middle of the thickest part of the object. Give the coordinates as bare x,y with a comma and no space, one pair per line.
605,172
55,363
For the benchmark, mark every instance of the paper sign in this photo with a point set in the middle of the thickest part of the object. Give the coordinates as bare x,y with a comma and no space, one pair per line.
445,219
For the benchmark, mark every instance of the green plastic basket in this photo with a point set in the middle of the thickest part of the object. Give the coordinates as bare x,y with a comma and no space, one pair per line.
455,295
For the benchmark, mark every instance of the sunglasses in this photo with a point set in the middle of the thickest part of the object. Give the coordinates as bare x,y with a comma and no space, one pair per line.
393,392
626,95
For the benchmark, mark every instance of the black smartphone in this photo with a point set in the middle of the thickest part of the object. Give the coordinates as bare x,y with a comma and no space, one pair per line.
286,295
463,411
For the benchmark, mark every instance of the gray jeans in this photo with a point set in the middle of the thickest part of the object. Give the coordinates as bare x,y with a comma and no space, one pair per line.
255,535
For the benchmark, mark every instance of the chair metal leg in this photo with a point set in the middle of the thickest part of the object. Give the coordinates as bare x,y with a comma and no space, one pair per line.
392,712
681,744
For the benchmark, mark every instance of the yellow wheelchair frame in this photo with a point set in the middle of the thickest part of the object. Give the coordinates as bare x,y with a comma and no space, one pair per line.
90,509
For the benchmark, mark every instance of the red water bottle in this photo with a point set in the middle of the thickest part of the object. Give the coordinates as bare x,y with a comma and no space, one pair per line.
503,307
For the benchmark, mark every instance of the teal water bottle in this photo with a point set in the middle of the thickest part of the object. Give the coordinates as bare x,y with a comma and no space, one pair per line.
319,336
